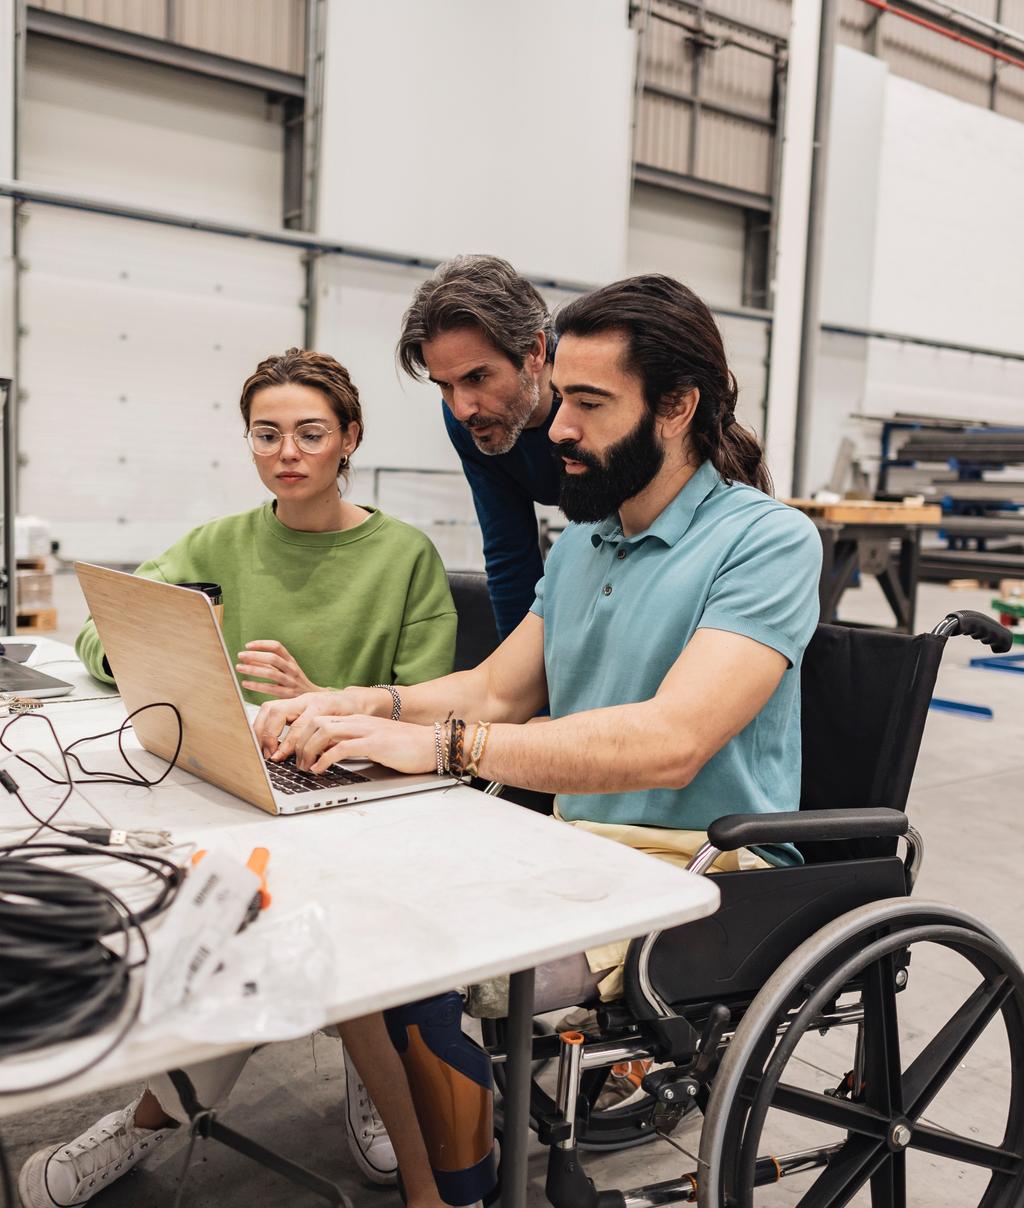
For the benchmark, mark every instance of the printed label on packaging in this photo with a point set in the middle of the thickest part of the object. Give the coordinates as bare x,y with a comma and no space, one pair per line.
185,950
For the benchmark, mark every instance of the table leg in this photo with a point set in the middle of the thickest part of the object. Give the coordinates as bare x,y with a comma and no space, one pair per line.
516,1140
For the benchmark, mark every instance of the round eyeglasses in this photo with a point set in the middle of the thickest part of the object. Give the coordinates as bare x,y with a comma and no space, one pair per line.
265,440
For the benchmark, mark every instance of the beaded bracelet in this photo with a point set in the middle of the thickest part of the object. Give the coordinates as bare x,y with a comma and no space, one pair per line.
438,749
396,700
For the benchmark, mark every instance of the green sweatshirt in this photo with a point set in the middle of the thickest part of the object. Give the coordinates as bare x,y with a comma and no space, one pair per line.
365,606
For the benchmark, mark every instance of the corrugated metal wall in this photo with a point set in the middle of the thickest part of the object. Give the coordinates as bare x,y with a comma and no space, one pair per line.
681,129
707,106
268,32
938,62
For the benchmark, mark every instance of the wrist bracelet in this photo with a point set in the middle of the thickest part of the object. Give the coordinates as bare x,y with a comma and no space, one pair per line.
457,758
483,728
396,700
438,750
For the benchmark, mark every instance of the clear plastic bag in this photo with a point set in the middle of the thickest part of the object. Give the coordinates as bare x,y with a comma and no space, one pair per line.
272,984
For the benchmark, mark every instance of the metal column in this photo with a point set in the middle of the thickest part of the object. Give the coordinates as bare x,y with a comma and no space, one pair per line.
809,335
517,1091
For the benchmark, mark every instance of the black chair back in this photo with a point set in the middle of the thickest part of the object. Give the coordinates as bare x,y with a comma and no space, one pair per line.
864,702
477,634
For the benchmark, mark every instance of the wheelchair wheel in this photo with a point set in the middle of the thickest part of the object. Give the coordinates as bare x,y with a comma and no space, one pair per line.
896,1114
620,1128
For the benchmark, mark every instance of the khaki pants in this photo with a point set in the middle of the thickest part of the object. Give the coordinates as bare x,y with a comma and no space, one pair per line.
213,1082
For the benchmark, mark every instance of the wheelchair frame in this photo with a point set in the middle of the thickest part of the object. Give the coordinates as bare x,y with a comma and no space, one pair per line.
732,1069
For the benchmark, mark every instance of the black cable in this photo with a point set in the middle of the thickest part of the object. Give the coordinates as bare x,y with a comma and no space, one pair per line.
139,780
61,976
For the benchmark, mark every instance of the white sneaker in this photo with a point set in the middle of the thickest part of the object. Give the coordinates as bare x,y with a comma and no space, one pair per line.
368,1139
62,1175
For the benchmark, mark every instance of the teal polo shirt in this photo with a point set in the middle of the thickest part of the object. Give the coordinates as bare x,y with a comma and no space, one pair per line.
618,612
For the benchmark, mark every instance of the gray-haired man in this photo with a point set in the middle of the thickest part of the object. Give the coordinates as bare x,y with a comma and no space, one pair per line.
482,333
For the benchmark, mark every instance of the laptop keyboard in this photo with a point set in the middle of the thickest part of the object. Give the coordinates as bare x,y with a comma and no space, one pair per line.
287,778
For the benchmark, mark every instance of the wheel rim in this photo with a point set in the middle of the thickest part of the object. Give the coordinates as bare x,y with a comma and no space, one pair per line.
883,1120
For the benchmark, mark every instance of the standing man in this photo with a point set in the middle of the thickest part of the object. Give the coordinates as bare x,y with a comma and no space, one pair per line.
482,334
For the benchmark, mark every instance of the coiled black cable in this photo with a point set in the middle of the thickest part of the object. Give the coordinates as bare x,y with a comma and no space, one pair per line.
65,939
65,961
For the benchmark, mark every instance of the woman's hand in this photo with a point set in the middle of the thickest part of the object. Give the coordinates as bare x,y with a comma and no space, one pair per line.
395,744
272,670
301,714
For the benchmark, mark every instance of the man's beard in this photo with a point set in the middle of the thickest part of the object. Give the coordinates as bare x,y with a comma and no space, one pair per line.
507,431
627,468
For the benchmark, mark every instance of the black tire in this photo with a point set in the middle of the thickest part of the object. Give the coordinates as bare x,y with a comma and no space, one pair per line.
601,1130
875,1129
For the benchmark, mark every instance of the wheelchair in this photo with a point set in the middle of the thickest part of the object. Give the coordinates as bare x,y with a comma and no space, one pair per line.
804,970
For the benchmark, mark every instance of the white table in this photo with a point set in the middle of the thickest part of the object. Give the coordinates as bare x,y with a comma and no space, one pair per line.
422,893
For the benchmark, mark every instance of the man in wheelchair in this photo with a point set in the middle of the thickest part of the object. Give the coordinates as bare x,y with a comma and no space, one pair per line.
666,638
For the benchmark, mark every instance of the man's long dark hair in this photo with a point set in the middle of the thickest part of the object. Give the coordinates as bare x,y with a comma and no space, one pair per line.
674,346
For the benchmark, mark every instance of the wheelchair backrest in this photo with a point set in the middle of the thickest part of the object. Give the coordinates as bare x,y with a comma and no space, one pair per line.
477,634
864,701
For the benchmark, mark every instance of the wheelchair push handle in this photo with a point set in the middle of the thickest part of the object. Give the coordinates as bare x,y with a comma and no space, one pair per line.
978,626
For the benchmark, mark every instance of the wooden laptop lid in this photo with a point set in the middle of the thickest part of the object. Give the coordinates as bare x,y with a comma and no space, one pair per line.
163,643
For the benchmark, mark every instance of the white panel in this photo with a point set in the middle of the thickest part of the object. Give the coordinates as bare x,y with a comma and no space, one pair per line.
698,242
924,239
6,170
949,260
938,381
139,339
458,126
359,317
851,190
149,135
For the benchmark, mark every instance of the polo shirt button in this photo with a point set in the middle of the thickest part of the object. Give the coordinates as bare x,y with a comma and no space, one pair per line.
607,589
621,554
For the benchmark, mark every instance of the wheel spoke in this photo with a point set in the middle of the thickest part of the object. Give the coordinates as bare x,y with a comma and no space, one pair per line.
963,1149
889,1183
883,1075
930,1070
841,1113
845,1174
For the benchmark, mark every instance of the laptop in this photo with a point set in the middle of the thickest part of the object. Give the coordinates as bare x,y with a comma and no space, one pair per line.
19,680
163,643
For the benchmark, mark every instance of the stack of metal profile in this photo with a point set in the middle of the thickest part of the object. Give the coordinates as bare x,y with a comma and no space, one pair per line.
986,448
983,539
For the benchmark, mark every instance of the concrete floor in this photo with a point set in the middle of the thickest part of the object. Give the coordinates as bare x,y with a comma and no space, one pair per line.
968,801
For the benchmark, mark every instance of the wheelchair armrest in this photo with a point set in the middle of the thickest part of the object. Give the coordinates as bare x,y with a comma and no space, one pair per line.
803,826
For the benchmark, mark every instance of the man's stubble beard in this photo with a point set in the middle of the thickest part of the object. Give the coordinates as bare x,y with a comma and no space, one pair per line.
521,411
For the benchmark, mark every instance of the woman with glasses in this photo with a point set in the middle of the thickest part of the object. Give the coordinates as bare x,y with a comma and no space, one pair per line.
317,591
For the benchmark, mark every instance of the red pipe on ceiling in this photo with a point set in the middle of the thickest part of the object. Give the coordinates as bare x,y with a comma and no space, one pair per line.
946,33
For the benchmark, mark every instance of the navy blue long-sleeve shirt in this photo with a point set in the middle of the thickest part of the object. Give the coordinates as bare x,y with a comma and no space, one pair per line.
505,489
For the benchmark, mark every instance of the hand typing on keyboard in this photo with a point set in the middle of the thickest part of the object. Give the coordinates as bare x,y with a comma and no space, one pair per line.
286,777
